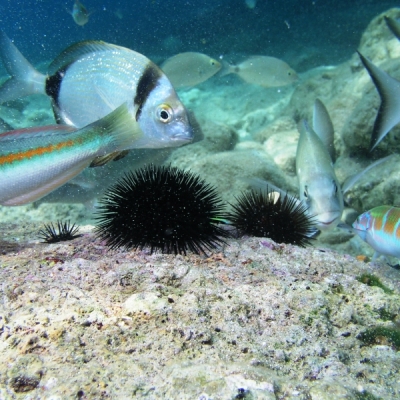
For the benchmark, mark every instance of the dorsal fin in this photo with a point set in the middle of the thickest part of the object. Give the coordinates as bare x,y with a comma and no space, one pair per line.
77,50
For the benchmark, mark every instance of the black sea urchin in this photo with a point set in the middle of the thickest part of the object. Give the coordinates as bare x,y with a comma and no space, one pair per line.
163,208
66,231
269,214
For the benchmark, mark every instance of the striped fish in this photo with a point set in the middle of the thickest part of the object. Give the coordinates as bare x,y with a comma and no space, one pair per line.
90,79
380,228
35,161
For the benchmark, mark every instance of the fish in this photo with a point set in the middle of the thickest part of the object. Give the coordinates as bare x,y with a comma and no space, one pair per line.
35,161
323,127
250,3
388,114
319,188
79,13
190,68
103,76
393,25
263,71
380,228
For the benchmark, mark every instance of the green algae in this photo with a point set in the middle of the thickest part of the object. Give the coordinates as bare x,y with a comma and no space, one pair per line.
372,280
384,335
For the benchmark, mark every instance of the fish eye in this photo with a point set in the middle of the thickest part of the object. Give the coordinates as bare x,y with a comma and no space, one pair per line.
305,192
164,113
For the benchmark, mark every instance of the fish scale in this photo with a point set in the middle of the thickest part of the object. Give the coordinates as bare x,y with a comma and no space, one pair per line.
380,228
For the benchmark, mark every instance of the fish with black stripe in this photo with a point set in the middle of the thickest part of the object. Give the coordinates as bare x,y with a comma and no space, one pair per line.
90,79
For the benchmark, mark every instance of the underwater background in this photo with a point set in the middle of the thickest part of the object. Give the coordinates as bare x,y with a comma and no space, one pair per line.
304,33
253,319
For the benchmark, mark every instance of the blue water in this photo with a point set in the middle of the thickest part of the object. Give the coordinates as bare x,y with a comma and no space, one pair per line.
328,29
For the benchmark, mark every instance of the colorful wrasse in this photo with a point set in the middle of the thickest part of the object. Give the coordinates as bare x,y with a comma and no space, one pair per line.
380,228
35,161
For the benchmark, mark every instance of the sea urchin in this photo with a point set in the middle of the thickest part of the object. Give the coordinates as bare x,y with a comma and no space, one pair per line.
163,208
278,216
65,232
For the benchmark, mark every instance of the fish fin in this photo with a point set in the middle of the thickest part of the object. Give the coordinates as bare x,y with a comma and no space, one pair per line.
377,255
393,25
25,80
389,91
259,184
103,160
121,155
100,161
323,127
36,131
121,127
352,180
227,69
77,50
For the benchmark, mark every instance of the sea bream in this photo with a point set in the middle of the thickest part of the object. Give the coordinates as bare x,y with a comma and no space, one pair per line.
35,161
380,228
79,13
90,79
318,186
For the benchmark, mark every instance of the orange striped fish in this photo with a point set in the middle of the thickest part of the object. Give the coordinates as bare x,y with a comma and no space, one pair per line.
35,161
380,228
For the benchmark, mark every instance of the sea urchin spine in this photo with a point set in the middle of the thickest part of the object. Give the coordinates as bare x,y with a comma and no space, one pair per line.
280,217
65,232
163,208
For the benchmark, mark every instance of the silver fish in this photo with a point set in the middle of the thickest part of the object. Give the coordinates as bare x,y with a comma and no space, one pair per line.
251,3
88,80
190,68
323,127
319,188
389,111
79,13
263,71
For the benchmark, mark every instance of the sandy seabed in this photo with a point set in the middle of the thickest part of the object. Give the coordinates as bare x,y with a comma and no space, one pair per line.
254,320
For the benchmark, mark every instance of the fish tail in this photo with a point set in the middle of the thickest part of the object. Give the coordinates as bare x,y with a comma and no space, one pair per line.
25,79
227,69
389,92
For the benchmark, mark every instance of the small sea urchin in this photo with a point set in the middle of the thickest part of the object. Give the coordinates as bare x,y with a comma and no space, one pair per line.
270,214
163,208
65,232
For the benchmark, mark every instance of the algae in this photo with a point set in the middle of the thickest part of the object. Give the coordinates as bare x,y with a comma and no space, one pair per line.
372,280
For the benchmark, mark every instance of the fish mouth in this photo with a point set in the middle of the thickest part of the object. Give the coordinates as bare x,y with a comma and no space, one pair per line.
326,224
186,136
183,137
